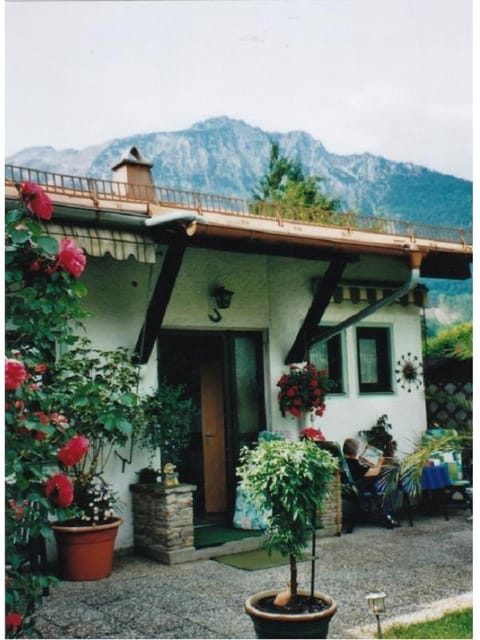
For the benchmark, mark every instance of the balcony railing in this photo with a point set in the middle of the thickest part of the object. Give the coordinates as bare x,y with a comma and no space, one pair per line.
100,189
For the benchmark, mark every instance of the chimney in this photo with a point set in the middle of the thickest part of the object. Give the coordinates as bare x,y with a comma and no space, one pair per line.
135,171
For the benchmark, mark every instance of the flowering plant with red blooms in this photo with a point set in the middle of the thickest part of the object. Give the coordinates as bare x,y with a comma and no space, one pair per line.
36,200
71,258
15,374
12,621
302,390
73,452
43,308
313,434
59,490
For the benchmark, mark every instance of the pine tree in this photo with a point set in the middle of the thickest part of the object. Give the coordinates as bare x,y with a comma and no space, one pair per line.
285,183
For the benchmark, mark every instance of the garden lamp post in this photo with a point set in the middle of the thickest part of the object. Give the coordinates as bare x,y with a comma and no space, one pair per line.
376,605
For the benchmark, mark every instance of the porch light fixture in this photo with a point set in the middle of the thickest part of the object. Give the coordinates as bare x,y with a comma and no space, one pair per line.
376,605
223,297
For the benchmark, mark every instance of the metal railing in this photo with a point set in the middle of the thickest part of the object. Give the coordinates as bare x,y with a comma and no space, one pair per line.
100,189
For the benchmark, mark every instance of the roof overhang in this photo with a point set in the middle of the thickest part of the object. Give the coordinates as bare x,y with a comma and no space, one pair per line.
249,233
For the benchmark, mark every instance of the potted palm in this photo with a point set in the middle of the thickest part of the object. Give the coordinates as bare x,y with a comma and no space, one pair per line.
289,479
97,390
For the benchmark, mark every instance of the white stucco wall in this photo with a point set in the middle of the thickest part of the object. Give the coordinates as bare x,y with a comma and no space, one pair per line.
272,295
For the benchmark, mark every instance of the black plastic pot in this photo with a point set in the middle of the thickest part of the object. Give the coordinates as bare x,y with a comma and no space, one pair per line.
275,625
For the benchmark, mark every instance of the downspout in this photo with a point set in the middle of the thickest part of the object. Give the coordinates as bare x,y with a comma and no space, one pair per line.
408,285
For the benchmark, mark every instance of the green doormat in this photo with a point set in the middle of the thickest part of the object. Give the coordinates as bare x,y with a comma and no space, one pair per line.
211,536
257,559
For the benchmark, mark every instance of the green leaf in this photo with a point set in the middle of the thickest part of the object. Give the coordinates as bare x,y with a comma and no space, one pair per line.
20,236
48,244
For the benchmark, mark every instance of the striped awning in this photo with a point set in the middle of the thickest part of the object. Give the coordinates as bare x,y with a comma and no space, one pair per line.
371,294
99,242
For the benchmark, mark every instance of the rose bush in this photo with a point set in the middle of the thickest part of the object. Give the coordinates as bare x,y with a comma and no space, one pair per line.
43,298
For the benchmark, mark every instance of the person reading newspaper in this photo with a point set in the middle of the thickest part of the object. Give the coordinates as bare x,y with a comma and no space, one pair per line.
365,477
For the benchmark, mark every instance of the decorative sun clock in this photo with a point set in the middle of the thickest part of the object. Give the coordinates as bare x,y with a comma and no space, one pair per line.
409,372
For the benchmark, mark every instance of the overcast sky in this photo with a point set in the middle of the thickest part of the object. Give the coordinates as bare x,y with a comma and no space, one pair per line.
391,77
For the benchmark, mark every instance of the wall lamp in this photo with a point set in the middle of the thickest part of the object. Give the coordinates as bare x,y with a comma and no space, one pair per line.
376,605
223,300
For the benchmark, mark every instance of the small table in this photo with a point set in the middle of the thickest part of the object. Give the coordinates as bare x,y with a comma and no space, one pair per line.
435,477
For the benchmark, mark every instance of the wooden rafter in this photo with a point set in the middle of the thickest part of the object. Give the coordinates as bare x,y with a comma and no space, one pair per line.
161,297
320,302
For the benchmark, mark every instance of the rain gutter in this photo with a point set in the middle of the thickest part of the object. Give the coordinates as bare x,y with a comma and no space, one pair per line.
408,285
130,220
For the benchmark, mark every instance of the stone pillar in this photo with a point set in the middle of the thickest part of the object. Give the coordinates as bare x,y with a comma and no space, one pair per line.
163,521
330,516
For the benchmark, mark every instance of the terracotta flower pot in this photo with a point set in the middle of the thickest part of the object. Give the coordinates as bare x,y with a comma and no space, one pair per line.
278,625
85,553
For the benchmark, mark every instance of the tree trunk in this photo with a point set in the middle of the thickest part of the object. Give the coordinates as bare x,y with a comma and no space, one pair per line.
293,576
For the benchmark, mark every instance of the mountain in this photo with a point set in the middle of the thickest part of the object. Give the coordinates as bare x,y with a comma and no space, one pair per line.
225,156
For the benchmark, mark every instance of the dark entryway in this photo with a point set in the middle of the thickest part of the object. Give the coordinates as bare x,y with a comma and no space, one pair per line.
223,374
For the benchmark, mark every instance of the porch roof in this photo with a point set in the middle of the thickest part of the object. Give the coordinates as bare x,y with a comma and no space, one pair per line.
150,213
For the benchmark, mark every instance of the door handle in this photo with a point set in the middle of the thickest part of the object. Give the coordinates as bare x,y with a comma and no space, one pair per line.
209,435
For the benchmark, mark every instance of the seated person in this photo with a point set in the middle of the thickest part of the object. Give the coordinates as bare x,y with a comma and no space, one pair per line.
365,479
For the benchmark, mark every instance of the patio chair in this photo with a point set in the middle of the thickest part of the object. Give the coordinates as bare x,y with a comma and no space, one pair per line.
359,504
458,493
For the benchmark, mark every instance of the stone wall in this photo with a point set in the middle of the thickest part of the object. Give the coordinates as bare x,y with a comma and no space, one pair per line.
329,518
163,521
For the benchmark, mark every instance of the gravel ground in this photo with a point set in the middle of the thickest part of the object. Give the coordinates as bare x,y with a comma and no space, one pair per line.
425,570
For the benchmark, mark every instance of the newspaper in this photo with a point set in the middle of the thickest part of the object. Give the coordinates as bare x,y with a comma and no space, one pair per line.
370,455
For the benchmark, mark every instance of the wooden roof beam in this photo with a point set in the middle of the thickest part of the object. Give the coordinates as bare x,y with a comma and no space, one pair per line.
161,297
320,302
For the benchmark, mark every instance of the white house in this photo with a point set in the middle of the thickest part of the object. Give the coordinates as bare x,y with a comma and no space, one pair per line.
345,296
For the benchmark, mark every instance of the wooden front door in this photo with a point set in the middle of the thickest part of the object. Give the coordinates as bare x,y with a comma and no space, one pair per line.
213,434
221,373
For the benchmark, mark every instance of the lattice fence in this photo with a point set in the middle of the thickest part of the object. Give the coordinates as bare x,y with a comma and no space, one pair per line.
446,414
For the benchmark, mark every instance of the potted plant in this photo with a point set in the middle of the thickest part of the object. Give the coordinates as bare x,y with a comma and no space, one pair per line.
98,390
165,427
289,479
303,390
378,436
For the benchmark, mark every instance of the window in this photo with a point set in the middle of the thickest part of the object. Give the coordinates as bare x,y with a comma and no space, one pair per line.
374,360
328,355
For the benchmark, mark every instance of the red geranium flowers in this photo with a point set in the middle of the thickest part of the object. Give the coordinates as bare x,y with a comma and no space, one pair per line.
302,390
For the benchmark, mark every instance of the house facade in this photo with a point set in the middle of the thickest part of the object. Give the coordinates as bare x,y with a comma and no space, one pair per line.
221,300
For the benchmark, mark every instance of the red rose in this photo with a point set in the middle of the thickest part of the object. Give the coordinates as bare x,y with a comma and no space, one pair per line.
15,374
36,200
59,490
295,412
42,417
292,392
13,621
73,451
41,368
71,258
